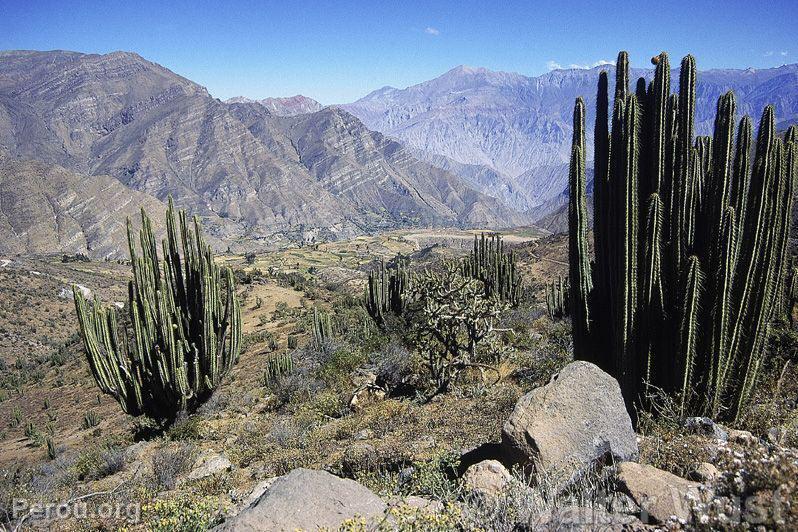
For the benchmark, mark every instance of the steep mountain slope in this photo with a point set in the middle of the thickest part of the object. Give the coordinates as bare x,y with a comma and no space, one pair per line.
290,106
521,126
46,208
159,133
483,178
374,175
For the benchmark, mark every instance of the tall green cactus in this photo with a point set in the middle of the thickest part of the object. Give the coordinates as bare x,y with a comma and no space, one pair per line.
496,268
580,281
185,324
387,289
690,241
557,298
322,328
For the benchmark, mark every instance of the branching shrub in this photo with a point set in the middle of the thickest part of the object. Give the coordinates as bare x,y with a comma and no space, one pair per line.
453,325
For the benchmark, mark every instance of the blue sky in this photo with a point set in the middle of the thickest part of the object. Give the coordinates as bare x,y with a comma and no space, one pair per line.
338,51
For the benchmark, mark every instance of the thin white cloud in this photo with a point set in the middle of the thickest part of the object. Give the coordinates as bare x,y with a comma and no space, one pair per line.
429,30
554,65
784,53
769,53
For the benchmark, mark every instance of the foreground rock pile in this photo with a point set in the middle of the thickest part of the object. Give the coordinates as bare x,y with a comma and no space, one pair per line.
558,435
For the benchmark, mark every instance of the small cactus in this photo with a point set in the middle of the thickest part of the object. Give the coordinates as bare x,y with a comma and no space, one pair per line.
276,366
293,341
90,420
51,449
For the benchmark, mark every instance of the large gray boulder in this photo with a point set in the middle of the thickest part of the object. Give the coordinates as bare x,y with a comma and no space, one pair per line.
566,426
305,499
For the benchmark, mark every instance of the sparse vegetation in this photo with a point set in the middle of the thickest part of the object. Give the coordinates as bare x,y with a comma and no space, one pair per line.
90,420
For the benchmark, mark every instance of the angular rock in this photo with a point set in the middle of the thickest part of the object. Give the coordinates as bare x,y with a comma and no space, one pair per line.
704,426
659,494
704,472
741,436
566,426
307,500
487,478
209,463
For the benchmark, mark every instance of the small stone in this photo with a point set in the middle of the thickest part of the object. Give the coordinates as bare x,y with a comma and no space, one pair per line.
365,434
660,495
741,436
209,463
704,426
423,504
487,478
704,472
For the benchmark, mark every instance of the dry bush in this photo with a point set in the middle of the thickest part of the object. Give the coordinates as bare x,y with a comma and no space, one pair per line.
170,462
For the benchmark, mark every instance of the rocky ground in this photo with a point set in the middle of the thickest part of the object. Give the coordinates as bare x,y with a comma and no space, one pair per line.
550,446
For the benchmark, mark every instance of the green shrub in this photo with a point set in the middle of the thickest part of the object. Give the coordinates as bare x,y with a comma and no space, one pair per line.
183,513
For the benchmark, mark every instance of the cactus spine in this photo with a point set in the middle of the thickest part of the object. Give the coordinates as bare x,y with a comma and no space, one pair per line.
185,324
690,243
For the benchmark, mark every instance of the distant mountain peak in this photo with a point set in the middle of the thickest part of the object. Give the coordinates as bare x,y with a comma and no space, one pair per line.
467,70
287,106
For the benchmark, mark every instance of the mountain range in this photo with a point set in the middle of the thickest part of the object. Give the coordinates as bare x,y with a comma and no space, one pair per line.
517,129
253,176
86,138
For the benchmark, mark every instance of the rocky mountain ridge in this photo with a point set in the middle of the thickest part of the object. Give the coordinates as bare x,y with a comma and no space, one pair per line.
289,106
520,128
161,134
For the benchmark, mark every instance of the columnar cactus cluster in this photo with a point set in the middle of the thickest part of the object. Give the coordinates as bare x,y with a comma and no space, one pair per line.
387,290
489,263
278,365
322,328
557,298
185,324
690,239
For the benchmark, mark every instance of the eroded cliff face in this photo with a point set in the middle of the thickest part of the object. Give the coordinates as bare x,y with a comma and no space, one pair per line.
45,208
